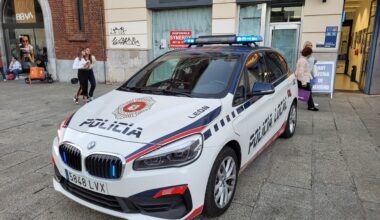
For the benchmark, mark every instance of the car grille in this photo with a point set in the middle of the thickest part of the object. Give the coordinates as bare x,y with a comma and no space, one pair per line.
71,156
105,201
104,166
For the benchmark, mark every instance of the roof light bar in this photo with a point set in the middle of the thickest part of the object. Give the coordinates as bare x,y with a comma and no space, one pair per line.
223,39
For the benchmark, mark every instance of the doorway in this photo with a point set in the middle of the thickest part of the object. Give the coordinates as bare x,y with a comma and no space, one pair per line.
355,45
23,19
285,38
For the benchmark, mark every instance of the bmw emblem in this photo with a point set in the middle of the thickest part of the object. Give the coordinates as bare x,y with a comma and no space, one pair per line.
91,145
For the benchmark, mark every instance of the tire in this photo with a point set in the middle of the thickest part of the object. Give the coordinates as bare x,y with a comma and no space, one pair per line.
215,207
291,122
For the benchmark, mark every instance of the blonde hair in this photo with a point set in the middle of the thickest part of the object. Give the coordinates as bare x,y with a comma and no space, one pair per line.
306,43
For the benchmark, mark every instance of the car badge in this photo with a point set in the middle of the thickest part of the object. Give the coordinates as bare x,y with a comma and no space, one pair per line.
91,145
134,107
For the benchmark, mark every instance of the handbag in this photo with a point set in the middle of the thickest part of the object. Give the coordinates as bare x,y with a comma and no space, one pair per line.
303,95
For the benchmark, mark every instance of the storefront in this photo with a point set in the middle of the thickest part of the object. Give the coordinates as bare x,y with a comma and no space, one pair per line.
172,23
22,26
358,46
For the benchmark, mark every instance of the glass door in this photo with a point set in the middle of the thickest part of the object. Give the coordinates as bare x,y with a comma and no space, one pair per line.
285,38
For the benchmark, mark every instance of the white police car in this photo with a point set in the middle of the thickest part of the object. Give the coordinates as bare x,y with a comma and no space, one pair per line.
171,141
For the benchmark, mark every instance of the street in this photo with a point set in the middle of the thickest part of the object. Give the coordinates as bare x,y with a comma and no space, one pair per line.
330,169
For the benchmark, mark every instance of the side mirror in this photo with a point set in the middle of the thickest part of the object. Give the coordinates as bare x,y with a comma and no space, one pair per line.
261,88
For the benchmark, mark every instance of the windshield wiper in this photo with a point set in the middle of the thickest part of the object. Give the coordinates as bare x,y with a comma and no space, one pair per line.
174,92
134,89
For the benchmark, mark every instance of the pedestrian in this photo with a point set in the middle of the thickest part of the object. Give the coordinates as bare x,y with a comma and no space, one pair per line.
1,68
27,53
90,73
303,74
14,68
311,61
81,65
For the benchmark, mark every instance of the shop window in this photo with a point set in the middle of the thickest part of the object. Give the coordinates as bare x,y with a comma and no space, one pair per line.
285,14
250,20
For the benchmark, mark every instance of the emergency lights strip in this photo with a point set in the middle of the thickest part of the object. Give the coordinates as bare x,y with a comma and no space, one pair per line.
195,127
228,39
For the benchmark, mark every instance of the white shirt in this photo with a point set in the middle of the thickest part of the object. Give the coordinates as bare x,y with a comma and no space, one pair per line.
15,66
79,63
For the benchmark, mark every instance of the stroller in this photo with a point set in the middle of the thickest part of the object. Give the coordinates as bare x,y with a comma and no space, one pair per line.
39,73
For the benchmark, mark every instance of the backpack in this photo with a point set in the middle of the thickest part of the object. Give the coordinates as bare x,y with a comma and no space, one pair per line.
11,76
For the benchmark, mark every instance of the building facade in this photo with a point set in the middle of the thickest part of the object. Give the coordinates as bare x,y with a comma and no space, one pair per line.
56,29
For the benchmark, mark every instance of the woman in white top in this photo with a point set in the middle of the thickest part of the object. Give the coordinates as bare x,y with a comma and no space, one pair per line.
81,64
303,74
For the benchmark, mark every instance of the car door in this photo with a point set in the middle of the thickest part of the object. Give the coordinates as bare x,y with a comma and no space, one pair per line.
253,112
277,71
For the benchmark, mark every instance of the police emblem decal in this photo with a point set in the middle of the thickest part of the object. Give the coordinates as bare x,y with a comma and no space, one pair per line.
133,107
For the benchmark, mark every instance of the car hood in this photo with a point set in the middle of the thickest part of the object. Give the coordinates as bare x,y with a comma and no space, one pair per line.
144,118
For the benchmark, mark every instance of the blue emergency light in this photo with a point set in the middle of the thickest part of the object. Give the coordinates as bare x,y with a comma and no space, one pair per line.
223,39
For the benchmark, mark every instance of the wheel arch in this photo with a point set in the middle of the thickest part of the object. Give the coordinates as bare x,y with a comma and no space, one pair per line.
235,146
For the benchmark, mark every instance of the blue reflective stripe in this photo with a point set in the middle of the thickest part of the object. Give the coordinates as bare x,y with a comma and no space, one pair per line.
113,170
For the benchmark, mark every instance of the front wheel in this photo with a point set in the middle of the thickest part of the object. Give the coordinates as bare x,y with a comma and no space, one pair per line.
291,122
221,184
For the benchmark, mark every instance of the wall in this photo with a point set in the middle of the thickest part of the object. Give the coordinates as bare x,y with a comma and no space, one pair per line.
128,34
316,16
360,22
224,17
68,39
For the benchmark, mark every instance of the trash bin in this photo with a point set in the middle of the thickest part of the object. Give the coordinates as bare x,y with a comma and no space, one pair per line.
353,73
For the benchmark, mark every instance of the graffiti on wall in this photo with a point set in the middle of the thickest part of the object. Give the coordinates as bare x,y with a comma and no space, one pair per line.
128,35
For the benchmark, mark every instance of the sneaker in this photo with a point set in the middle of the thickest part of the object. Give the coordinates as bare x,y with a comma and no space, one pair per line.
316,104
314,109
16,78
76,100
5,80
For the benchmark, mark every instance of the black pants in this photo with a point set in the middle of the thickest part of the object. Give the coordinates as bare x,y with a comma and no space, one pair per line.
83,83
92,80
310,102
2,73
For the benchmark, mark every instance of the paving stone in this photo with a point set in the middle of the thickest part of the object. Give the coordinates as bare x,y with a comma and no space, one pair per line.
247,190
336,202
332,171
368,189
283,202
15,158
372,210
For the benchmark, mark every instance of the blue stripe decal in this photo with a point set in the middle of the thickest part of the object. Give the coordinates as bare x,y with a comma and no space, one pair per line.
216,127
240,109
113,170
222,122
207,134
200,122
64,157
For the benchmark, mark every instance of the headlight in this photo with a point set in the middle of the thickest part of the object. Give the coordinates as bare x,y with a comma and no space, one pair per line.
176,154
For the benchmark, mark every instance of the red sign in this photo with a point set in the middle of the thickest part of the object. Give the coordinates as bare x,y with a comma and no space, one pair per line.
177,37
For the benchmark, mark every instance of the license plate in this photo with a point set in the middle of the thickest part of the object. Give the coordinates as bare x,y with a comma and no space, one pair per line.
88,183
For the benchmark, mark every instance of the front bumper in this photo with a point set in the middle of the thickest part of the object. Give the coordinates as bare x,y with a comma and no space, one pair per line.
132,196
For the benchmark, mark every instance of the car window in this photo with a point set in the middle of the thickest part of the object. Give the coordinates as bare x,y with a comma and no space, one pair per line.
255,66
202,74
276,66
241,90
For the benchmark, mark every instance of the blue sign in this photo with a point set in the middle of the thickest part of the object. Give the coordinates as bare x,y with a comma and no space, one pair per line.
324,78
331,35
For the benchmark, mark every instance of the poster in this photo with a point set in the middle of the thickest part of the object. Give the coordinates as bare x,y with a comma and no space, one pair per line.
331,35
24,11
177,37
324,79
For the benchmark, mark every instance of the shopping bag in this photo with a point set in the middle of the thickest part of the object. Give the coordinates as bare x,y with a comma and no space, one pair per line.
11,76
303,95
37,73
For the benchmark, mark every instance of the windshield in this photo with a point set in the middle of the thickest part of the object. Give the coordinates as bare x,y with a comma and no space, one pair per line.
186,74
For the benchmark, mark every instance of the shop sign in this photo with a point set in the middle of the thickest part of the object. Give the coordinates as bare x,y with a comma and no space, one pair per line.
324,78
177,37
128,35
331,35
24,11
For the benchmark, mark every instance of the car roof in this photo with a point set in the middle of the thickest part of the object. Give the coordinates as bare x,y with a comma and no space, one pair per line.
222,49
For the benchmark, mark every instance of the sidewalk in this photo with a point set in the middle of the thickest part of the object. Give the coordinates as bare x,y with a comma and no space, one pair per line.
330,169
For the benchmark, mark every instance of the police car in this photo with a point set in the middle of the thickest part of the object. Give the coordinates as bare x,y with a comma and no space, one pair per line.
171,142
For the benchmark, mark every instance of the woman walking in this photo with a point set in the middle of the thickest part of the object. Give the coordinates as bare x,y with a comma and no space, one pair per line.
81,64
90,73
303,74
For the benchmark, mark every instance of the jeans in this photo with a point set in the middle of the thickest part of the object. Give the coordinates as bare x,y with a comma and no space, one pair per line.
92,80
83,83
16,72
2,73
